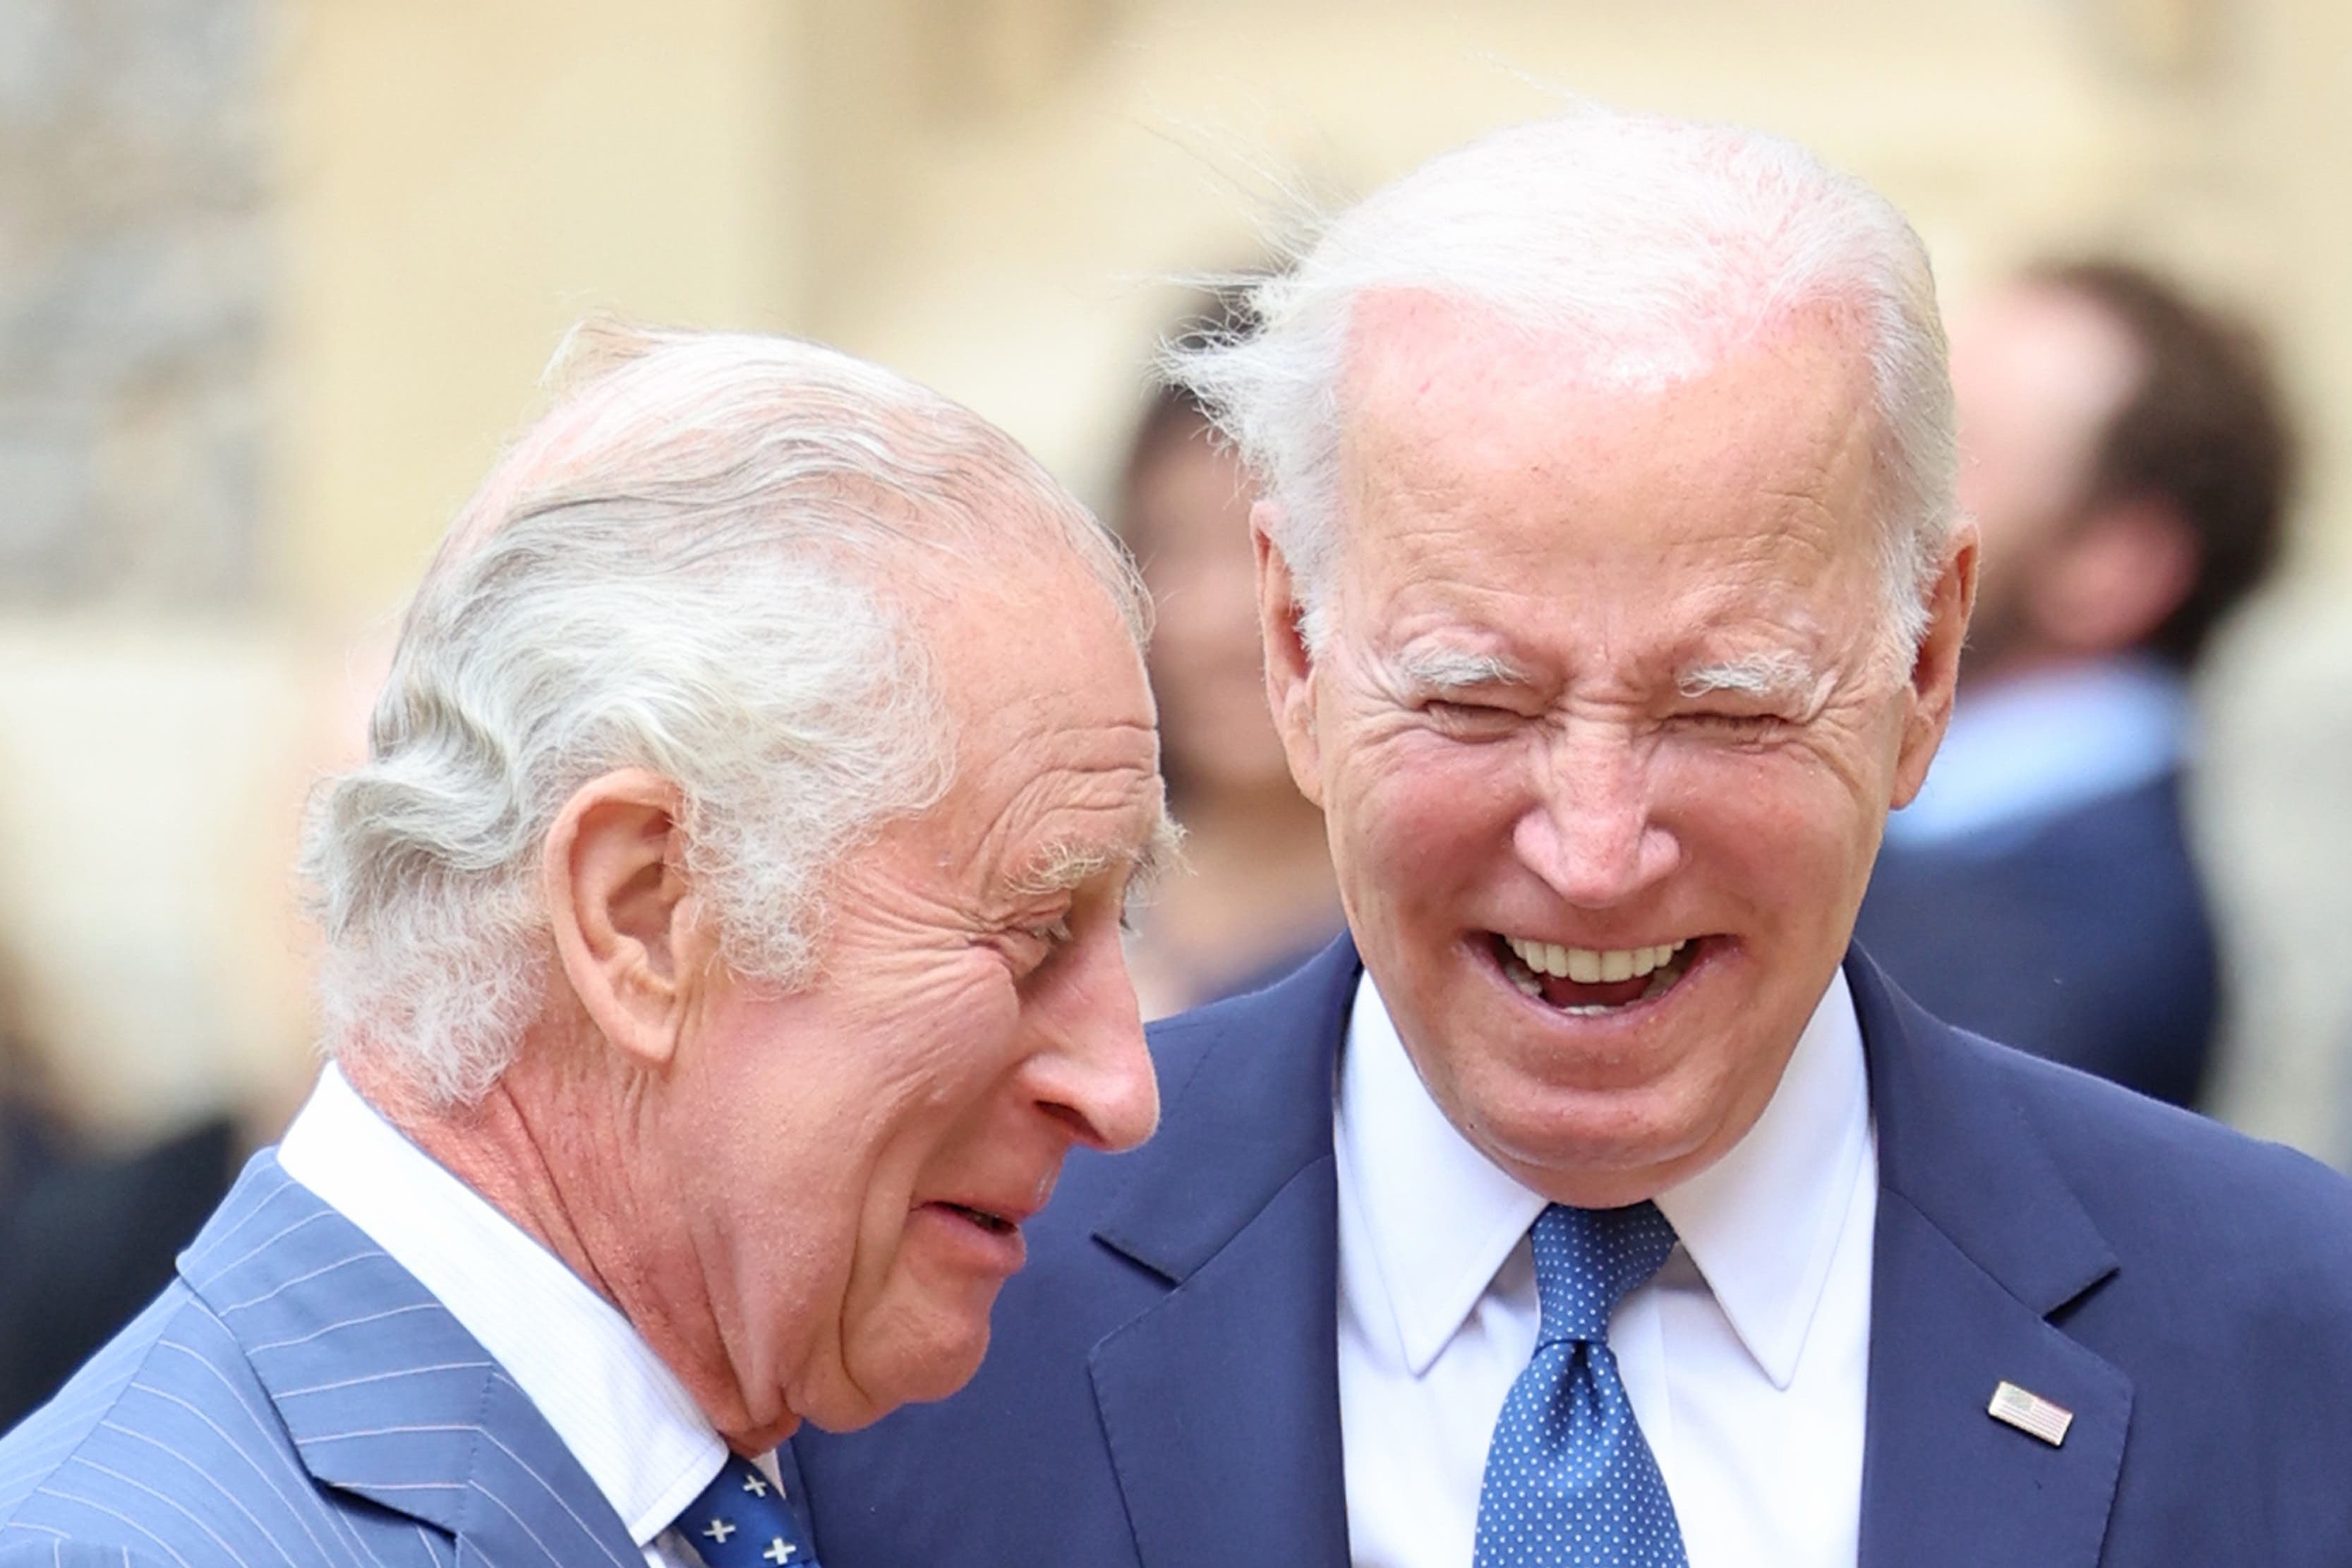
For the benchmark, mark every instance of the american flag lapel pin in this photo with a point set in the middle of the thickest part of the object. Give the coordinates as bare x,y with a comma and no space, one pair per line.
2030,1413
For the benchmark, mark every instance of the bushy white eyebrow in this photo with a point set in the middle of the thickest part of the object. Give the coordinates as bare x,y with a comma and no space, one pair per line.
1779,674
1068,864
1450,670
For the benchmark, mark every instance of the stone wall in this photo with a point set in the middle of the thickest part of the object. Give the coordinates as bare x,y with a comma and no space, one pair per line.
133,275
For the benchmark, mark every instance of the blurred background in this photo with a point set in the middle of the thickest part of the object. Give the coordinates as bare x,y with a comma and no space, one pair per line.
277,276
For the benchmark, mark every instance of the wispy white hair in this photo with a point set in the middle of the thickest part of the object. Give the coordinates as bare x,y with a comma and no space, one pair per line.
698,563
1648,249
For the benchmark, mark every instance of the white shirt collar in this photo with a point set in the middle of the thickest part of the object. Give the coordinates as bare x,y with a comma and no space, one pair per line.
1761,1224
624,1414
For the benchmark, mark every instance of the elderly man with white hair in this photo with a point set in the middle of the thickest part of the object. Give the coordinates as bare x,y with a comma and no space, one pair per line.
1596,1202
722,954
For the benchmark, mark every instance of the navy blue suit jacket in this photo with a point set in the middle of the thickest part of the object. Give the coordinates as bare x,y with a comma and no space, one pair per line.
2083,938
1163,1392
296,1397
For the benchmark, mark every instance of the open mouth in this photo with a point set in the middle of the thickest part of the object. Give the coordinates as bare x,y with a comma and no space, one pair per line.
1593,982
995,1224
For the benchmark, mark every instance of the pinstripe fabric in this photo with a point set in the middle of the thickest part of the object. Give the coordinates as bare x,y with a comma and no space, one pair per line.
296,1397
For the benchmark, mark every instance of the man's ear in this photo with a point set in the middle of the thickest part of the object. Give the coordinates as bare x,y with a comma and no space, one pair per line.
2116,578
1936,668
1289,667
626,926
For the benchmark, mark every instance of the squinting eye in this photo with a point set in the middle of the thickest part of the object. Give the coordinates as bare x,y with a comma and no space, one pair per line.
1739,724
1030,949
1057,934
1469,715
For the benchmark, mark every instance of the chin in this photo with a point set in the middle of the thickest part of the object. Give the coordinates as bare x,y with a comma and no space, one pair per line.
1596,1148
945,1371
921,1364
1601,1142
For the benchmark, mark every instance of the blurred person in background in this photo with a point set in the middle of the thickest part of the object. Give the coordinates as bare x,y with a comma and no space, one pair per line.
2128,456
87,1236
722,952
1257,897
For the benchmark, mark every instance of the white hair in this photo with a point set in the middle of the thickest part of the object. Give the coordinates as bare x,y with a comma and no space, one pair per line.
696,562
1649,247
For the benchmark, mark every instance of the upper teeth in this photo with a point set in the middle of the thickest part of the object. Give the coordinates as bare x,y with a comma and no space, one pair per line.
1590,966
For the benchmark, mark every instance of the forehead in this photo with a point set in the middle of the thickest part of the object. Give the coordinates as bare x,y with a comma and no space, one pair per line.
1483,465
1057,754
1459,394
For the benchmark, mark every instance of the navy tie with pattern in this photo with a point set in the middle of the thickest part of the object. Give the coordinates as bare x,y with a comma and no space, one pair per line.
1570,1481
743,1519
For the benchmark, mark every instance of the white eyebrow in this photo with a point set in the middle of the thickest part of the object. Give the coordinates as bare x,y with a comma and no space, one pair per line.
1449,669
1067,865
1779,673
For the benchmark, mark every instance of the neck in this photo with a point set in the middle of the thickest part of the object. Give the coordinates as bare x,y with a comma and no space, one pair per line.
554,1147
492,1146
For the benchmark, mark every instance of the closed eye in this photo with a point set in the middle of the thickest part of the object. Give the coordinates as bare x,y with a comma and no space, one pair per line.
1475,719
1029,946
1730,723
1054,934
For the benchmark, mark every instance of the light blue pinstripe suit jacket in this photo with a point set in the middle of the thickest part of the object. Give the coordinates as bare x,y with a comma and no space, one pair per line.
297,1397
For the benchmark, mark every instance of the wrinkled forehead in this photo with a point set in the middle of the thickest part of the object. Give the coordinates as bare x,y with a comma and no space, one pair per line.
1489,473
1056,752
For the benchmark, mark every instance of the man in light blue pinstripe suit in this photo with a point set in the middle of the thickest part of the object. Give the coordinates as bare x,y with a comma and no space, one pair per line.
721,955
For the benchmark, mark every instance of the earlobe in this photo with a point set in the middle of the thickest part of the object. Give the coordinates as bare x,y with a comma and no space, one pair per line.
1289,666
620,910
1935,667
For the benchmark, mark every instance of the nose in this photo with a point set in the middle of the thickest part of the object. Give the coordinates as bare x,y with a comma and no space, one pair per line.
1588,831
1094,1073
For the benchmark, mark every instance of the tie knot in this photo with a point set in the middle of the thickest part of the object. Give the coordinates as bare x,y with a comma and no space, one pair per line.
1586,1261
743,1519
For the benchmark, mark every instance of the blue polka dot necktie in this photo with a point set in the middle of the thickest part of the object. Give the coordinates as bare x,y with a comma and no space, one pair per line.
1571,1482
743,1519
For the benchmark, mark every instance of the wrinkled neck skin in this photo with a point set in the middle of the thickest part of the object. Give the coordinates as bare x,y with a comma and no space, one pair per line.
561,1146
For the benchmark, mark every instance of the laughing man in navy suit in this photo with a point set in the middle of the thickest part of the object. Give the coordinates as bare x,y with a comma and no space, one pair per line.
722,954
1597,1202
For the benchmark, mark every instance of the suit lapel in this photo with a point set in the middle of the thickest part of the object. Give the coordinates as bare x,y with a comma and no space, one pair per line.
1979,1242
1220,1403
384,1393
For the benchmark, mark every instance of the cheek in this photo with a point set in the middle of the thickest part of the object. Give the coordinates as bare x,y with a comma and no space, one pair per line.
912,1327
833,1123
950,1056
1416,816
1782,830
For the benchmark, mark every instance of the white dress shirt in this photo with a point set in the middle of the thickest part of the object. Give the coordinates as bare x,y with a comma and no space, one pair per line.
1745,1358
625,1417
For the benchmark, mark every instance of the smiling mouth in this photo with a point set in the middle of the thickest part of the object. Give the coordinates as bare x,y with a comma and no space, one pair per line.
1593,982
